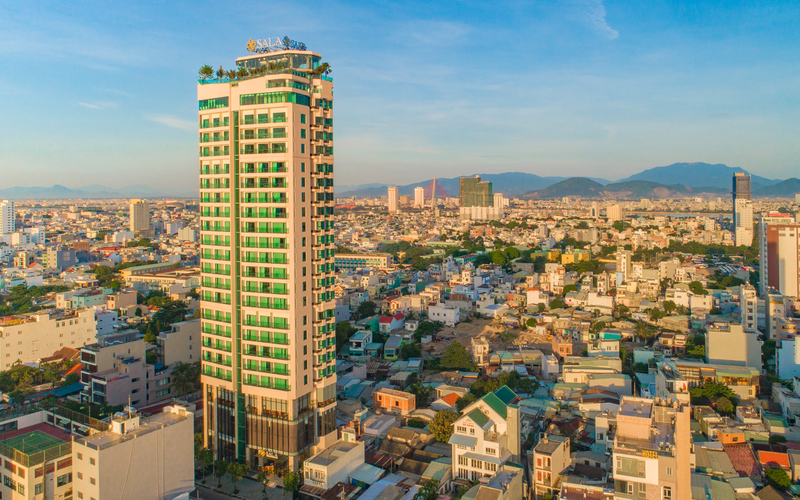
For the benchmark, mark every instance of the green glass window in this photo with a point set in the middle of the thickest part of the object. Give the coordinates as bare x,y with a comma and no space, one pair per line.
219,102
272,98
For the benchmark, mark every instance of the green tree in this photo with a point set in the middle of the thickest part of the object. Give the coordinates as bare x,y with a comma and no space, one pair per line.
422,393
697,288
669,306
541,307
236,473
778,478
205,72
724,406
567,289
343,333
366,309
263,478
429,491
465,401
557,304
531,323
416,422
204,457
185,378
456,357
408,351
220,469
291,483
442,425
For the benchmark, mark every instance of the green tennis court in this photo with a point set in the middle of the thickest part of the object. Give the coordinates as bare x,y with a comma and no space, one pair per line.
33,442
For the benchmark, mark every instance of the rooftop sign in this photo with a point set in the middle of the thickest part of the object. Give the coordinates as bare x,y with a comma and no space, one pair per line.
265,45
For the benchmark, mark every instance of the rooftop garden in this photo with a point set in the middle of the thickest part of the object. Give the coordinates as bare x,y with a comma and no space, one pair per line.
206,74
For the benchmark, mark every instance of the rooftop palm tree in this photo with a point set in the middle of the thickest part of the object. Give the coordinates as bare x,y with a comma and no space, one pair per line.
220,73
206,72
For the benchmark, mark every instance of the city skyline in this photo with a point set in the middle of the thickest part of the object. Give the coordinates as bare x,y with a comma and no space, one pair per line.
588,87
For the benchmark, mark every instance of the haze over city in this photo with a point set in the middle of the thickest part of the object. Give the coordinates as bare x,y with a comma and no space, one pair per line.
543,250
551,88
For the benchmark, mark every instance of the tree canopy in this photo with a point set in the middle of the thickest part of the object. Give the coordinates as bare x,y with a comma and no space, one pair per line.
442,425
456,357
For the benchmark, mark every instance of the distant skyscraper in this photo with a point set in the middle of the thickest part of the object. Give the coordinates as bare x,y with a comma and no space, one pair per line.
614,212
740,191
267,260
476,200
393,200
498,201
594,211
780,258
419,196
140,215
6,217
743,221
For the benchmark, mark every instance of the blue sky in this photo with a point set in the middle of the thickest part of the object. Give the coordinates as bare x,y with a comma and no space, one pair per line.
106,93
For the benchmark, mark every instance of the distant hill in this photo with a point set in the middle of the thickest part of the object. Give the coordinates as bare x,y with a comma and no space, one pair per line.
575,186
695,175
587,188
508,183
57,192
783,189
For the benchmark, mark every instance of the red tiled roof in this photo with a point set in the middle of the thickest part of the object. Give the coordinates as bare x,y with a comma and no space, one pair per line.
742,459
451,398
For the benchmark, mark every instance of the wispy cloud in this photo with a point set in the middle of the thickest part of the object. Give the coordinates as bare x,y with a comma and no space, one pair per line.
98,105
594,12
173,121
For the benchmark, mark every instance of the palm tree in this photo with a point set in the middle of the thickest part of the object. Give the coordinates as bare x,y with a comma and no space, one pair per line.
206,72
231,74
221,73
242,72
181,378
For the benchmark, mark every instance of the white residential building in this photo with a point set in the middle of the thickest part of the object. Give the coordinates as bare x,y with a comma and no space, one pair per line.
486,436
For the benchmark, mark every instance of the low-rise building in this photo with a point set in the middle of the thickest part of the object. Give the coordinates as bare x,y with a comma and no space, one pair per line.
551,457
333,465
393,401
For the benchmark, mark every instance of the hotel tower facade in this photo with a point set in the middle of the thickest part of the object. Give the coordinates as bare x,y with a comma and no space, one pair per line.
266,226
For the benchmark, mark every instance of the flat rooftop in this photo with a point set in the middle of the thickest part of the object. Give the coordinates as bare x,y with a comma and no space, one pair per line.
153,423
332,454
636,407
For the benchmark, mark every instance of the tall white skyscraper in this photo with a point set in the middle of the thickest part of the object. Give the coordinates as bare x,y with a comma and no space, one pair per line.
267,258
419,196
6,217
140,215
393,198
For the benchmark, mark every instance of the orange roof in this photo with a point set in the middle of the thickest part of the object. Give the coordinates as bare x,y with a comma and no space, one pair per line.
451,398
773,458
76,369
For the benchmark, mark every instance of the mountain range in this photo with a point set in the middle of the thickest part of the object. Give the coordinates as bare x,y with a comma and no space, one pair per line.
93,191
671,181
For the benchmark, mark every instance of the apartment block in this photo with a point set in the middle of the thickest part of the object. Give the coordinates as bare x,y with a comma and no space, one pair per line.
28,337
652,449
137,457
267,259
351,262
139,216
7,216
731,344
